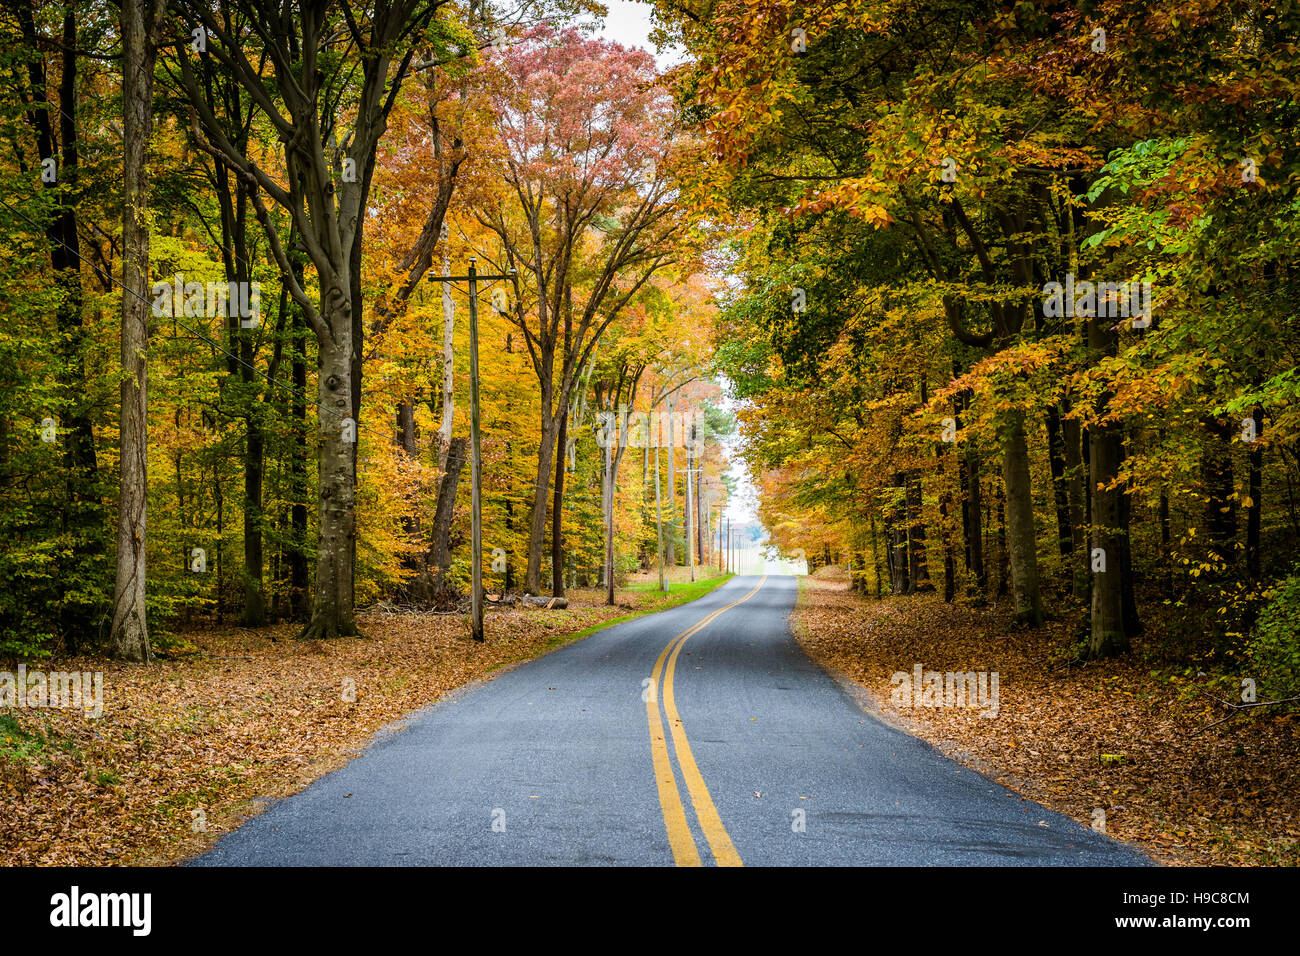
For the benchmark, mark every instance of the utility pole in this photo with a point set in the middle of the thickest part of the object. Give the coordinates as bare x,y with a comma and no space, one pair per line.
721,518
690,501
611,436
476,466
701,529
707,533
659,525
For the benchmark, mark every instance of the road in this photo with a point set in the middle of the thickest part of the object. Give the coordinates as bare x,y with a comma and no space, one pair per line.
700,735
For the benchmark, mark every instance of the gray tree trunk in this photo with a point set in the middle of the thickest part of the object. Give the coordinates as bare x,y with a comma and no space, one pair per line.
1071,435
1022,541
1107,635
541,489
129,637
439,559
332,611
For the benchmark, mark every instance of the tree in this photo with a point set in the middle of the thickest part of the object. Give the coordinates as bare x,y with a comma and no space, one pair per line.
328,165
586,213
141,24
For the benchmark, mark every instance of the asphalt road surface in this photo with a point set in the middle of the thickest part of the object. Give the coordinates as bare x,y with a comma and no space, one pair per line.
700,735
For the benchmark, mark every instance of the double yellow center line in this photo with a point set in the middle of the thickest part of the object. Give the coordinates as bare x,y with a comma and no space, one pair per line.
680,838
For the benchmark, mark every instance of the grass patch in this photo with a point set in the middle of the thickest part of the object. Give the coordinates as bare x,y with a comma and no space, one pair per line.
654,602
17,743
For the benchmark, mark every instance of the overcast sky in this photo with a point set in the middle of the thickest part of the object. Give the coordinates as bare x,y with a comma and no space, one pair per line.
629,24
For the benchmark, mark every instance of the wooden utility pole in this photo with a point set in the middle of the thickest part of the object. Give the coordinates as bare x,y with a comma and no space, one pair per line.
701,532
721,518
611,436
475,459
671,549
708,529
659,525
690,501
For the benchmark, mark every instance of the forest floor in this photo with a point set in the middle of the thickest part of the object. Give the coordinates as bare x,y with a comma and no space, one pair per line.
190,747
1125,736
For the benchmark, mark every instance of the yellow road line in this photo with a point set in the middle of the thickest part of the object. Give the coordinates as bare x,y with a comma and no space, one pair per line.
724,851
670,799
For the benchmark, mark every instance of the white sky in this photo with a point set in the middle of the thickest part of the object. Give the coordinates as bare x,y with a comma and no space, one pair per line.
628,23
743,506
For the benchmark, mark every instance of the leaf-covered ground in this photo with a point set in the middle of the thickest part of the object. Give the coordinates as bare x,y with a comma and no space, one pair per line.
1118,736
188,748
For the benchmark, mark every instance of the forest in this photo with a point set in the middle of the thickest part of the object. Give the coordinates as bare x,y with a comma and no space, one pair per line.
1001,293
1016,319
849,340
234,389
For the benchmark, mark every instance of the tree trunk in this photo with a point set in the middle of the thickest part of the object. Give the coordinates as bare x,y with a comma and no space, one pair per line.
83,513
557,505
1128,594
918,563
1220,506
1072,443
1004,561
299,573
1166,546
448,361
129,637
1022,541
1056,461
875,557
439,555
542,486
972,515
415,564
900,580
332,606
945,536
1107,635
254,601
1256,493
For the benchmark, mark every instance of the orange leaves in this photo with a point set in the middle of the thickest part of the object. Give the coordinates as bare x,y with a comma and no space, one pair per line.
184,747
1112,735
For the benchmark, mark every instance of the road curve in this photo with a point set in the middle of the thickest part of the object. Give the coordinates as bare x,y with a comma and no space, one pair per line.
701,735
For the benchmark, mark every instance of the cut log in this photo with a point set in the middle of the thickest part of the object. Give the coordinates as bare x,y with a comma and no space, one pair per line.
556,603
